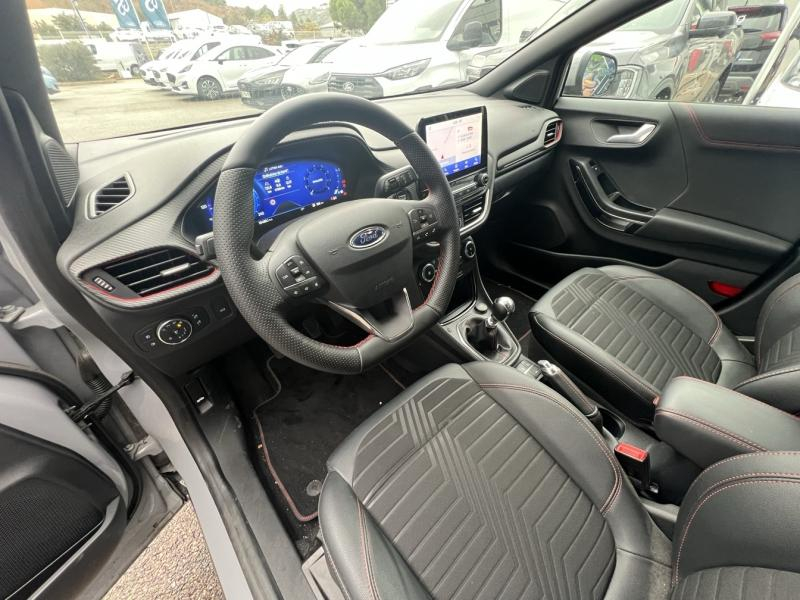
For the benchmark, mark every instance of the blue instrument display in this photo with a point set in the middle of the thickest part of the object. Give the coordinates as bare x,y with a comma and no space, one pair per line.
281,192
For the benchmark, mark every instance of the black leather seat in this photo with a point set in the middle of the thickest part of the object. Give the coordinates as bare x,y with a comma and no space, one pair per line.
626,333
479,482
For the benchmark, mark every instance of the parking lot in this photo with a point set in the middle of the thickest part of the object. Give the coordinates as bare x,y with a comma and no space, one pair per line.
109,109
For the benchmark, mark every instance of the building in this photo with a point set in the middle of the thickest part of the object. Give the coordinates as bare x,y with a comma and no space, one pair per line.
195,19
92,19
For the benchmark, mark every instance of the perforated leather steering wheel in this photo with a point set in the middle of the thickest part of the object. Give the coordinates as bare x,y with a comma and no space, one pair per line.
356,257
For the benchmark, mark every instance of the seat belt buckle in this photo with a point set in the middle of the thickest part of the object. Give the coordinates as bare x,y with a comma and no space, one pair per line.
636,464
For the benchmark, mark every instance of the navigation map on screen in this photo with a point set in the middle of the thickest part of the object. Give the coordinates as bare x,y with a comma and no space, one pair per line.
457,142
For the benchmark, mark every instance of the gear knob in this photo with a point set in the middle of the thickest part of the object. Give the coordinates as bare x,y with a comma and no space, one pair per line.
502,308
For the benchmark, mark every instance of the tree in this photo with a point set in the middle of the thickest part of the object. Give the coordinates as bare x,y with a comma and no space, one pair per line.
44,28
67,22
356,14
282,14
69,62
372,10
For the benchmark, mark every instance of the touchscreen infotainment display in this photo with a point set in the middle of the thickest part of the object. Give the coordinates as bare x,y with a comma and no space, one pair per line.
458,140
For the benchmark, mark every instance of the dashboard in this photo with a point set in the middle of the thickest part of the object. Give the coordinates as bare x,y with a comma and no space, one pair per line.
148,265
281,192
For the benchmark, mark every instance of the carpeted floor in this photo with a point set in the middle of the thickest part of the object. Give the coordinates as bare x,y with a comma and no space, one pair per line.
307,417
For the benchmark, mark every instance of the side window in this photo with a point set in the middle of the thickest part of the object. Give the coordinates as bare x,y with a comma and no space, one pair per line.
487,14
235,53
254,53
684,50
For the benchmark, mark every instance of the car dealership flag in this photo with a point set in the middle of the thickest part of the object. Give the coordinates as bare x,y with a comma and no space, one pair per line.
155,13
126,15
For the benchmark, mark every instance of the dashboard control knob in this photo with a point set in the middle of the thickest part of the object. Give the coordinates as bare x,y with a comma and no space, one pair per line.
469,249
174,331
427,272
482,179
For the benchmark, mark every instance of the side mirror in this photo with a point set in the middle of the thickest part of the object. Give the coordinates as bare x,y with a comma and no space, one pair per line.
715,24
471,36
596,72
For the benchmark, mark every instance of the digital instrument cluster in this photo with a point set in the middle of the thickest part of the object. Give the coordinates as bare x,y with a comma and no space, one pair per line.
281,192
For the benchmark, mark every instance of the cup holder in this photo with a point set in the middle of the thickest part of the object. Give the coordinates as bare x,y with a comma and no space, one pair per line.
613,424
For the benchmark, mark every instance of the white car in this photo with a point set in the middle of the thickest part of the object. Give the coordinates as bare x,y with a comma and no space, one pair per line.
418,45
193,50
218,71
784,91
149,69
302,71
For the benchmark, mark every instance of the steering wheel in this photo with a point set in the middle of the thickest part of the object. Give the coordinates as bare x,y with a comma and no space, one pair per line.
356,257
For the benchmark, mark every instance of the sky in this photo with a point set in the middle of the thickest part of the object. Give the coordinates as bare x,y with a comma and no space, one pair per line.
289,5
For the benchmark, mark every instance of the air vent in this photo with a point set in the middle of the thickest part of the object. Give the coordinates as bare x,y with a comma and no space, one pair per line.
157,271
472,209
111,195
552,134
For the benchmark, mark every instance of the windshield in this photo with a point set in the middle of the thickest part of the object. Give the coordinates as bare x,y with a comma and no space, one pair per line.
411,21
116,73
300,56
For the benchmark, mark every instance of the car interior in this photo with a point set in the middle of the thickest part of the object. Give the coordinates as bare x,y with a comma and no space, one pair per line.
564,365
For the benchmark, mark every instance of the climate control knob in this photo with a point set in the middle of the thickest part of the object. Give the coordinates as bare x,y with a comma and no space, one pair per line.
427,272
469,249
482,179
174,331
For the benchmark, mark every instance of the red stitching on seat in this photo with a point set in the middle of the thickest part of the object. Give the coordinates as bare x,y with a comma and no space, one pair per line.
675,576
746,397
710,427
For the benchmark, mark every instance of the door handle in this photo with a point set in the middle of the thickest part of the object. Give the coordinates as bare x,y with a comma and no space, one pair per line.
637,137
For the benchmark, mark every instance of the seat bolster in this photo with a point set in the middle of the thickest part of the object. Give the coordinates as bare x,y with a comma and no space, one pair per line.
365,564
579,449
779,316
741,511
778,387
610,378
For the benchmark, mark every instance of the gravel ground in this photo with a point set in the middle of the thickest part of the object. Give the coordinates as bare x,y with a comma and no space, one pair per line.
90,111
176,565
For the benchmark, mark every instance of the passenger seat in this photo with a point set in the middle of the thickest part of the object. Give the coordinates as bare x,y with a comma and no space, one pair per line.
626,333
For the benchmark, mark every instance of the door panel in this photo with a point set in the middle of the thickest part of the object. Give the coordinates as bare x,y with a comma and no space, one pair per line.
698,193
743,165
62,497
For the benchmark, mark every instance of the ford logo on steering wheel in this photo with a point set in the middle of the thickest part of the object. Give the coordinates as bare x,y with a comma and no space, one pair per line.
368,237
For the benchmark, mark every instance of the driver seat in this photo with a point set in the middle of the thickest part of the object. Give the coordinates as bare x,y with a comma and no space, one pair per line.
479,482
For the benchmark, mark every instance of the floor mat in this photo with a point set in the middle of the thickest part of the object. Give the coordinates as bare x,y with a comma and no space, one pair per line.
518,322
307,417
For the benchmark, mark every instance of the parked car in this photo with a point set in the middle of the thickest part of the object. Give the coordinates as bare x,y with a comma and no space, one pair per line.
761,25
302,71
50,82
193,50
150,71
117,56
784,91
675,52
218,71
422,44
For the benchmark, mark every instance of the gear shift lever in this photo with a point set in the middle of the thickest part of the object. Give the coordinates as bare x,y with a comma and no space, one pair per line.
502,308
482,333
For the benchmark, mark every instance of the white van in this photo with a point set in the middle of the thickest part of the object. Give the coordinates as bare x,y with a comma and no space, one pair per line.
419,44
122,57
